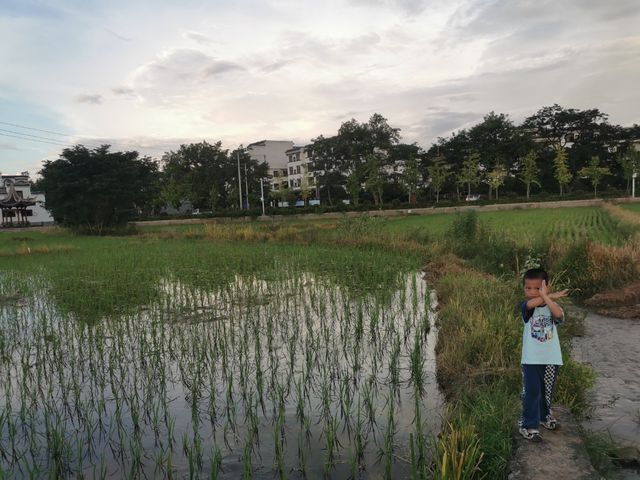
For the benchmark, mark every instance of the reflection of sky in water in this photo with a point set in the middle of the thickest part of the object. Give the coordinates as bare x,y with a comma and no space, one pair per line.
193,367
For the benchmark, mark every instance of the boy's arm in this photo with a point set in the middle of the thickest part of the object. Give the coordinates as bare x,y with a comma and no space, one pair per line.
535,302
546,297
525,311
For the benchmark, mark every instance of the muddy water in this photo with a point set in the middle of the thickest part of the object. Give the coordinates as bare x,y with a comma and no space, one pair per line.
260,375
612,347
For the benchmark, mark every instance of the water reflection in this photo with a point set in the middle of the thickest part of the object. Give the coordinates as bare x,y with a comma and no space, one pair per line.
292,376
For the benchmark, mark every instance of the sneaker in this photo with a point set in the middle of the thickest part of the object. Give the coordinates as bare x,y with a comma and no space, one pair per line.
530,434
550,423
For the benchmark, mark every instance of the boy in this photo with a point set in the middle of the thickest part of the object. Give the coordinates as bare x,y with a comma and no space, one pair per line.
541,356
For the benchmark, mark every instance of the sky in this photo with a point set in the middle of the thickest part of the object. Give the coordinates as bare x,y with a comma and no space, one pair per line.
151,75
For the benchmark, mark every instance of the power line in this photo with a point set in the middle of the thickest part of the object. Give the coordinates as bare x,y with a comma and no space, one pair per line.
29,135
34,140
50,140
46,139
36,129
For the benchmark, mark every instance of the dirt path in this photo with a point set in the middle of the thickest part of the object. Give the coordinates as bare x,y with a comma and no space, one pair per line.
612,347
561,454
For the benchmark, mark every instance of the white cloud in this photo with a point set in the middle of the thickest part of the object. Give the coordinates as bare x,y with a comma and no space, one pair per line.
286,69
94,99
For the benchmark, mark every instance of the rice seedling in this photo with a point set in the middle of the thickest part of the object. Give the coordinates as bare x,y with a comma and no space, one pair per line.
208,360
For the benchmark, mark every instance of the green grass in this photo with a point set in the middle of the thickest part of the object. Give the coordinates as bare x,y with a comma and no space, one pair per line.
632,207
565,224
118,348
144,302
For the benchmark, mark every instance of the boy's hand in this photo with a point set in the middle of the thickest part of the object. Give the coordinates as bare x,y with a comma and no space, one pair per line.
544,292
560,294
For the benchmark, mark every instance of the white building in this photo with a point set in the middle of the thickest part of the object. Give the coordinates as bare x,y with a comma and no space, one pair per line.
21,185
300,169
274,153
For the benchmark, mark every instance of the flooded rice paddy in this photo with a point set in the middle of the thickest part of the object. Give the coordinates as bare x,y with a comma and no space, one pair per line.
291,375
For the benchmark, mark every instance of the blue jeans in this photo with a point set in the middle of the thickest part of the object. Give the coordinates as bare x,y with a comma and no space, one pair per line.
537,394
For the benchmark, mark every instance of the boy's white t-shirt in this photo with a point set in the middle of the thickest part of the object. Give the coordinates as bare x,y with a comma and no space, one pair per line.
540,342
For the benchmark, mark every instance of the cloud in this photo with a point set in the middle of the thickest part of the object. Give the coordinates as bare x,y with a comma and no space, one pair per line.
123,91
430,66
197,37
146,145
180,68
220,67
408,7
94,99
9,146
441,123
327,50
277,65
118,35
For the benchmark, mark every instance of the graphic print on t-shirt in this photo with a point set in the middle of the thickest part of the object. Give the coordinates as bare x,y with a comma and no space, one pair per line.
541,327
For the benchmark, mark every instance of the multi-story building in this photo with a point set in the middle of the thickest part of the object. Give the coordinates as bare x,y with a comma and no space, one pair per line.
274,153
300,170
19,203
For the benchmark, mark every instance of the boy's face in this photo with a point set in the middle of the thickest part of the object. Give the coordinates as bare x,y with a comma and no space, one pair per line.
532,287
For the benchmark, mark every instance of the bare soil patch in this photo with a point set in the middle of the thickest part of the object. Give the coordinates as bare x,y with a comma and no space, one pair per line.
618,303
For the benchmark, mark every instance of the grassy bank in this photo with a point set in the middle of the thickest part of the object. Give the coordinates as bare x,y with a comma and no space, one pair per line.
475,261
480,330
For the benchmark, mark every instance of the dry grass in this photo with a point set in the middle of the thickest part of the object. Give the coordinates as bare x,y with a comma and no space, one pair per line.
26,250
626,217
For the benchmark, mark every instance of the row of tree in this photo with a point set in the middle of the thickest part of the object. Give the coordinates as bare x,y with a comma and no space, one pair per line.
554,150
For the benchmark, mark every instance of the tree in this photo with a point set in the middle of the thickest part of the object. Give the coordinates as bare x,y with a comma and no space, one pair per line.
595,173
529,171
470,173
629,161
496,139
410,178
354,186
98,190
327,165
196,171
561,170
438,174
305,186
558,126
281,192
495,179
207,175
341,160
374,177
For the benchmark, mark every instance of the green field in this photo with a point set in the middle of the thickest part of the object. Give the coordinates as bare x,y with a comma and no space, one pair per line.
285,349
136,356
633,207
565,224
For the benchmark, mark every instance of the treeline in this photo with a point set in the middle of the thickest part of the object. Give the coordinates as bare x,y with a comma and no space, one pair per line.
556,151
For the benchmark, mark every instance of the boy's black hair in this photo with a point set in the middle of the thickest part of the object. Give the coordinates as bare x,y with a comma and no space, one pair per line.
535,274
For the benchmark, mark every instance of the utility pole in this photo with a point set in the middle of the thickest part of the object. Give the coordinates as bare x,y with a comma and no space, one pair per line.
262,195
246,183
239,179
633,184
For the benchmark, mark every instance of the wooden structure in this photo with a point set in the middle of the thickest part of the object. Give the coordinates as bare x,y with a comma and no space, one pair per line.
14,206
